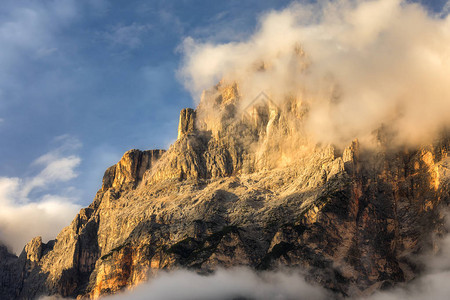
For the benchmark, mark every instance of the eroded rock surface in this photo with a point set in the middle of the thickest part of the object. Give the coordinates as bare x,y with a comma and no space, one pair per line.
240,188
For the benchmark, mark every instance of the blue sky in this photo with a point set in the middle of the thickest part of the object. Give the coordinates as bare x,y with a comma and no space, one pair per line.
83,81
101,72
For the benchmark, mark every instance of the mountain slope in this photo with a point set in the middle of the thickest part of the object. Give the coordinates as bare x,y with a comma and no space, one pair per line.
245,186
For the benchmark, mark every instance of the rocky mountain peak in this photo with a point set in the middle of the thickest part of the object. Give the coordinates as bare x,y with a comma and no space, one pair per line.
244,185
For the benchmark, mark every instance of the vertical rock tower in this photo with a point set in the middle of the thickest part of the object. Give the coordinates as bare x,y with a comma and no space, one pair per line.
186,125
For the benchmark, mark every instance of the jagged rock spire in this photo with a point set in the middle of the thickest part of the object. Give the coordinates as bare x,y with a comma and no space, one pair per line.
187,122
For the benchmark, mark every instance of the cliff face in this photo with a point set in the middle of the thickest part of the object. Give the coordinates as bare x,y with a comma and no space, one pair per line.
242,186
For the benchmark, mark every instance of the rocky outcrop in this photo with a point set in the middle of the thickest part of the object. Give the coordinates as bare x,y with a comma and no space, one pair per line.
187,122
33,250
9,274
128,172
236,190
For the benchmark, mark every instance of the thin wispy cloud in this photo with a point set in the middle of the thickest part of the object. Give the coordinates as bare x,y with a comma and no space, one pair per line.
129,36
445,9
30,28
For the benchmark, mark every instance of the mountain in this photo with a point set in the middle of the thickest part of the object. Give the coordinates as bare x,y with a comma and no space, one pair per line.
244,185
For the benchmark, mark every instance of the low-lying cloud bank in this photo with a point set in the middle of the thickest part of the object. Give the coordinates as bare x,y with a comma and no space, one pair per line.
354,64
244,283
431,286
289,284
239,283
28,210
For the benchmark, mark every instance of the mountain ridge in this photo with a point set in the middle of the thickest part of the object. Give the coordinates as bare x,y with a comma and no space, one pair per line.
246,188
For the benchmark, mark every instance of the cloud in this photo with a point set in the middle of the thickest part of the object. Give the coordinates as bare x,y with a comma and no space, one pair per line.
30,28
244,283
28,209
56,165
238,283
446,9
433,283
35,50
129,36
20,222
55,170
354,64
431,286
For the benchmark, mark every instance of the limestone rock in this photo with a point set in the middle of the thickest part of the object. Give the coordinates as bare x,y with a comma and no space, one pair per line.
231,191
187,122
128,172
33,250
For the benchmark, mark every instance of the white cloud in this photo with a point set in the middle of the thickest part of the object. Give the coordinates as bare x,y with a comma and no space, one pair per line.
289,284
226,284
57,165
19,223
60,169
244,283
430,286
369,62
22,216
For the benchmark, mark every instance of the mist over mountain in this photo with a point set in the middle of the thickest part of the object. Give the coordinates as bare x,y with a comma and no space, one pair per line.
352,64
315,165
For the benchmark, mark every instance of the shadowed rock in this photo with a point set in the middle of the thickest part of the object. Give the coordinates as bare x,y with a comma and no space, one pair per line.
234,192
